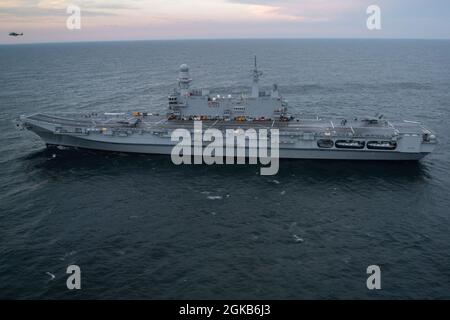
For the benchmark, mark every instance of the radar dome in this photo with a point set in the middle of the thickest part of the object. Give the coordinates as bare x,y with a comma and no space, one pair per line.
184,68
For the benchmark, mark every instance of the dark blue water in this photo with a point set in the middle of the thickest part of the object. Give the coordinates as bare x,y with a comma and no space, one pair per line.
140,227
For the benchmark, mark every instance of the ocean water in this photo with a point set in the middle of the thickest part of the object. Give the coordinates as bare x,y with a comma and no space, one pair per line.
140,227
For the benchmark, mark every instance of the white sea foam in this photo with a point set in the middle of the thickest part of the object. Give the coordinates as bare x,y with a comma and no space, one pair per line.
214,197
51,275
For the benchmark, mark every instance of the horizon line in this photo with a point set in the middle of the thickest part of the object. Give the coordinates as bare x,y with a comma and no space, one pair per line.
222,39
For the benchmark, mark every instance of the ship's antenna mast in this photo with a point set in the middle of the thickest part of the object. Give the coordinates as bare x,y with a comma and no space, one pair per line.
256,75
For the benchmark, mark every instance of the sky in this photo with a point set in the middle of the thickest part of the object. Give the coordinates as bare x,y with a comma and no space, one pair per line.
106,20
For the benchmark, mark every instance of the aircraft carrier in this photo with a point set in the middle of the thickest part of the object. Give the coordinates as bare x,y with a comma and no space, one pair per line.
349,138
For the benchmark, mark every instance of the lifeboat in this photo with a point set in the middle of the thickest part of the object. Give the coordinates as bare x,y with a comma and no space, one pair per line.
350,144
382,145
325,143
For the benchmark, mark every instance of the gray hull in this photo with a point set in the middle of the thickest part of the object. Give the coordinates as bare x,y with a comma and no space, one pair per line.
79,142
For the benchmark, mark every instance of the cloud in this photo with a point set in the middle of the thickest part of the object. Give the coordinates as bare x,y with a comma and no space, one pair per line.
45,20
42,12
57,8
301,10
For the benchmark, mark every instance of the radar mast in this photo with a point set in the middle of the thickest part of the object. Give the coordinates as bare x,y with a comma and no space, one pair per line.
184,80
256,75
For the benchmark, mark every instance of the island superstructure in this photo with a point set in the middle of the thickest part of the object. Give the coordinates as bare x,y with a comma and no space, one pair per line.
350,138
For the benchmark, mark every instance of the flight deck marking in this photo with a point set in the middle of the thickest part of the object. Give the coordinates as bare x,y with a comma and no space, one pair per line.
407,121
213,124
160,121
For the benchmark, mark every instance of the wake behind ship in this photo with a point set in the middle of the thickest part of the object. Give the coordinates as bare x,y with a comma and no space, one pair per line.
368,138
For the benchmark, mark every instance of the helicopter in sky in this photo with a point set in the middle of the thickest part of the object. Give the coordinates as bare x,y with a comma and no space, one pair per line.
14,34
